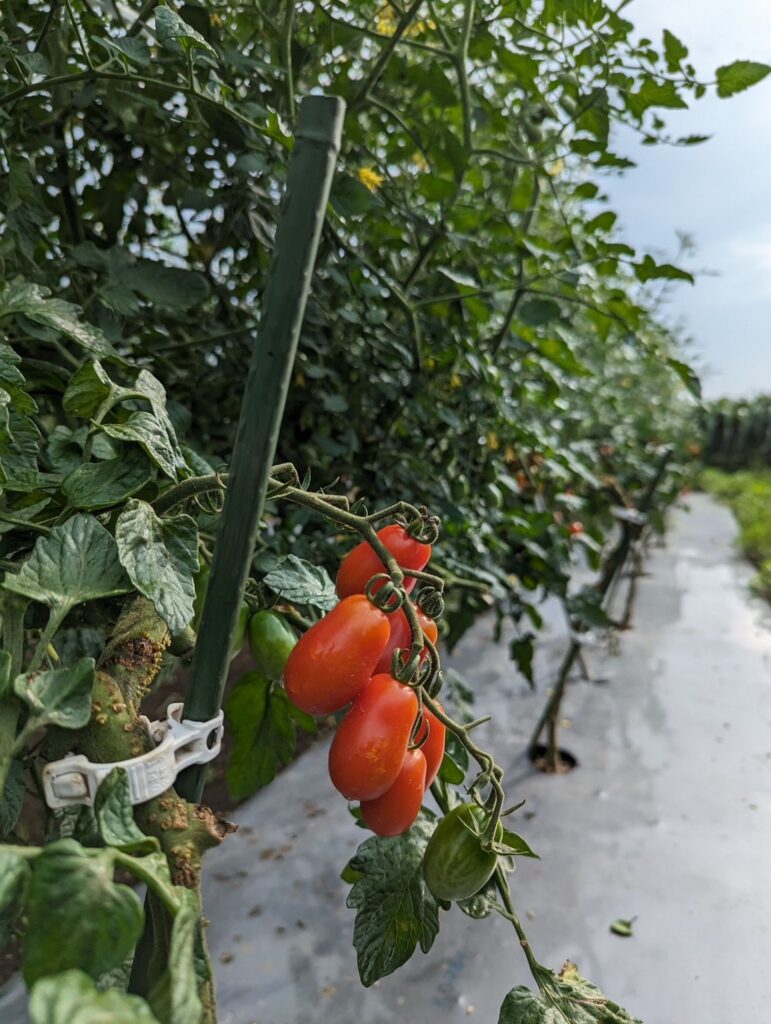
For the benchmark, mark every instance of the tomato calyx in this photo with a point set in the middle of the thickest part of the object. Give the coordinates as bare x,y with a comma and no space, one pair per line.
431,603
425,528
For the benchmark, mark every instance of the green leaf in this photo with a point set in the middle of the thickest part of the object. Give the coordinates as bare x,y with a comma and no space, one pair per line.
565,999
14,881
88,389
14,877
649,270
11,799
260,719
450,771
5,672
517,845
687,375
653,93
736,77
394,909
161,558
622,927
675,52
145,429
557,351
175,998
77,561
172,32
19,440
114,815
12,381
482,903
78,916
102,484
72,998
59,696
535,311
34,302
128,47
299,582
166,287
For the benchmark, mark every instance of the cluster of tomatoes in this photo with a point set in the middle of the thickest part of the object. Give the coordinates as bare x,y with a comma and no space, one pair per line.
382,754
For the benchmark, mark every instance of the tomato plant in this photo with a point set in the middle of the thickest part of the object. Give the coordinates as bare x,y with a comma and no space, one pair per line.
480,338
334,660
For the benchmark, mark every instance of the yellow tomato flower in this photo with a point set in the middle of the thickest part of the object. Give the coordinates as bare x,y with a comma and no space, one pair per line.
370,178
492,441
456,381
419,161
386,20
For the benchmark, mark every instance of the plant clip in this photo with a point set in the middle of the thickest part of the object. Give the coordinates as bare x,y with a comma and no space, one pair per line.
179,743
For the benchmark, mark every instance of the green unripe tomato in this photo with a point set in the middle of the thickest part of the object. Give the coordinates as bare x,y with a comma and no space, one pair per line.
454,865
271,639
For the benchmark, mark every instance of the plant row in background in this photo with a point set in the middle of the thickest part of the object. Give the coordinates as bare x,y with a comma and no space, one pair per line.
480,340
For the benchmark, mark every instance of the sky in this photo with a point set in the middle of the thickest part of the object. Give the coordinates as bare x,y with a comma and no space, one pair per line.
717,192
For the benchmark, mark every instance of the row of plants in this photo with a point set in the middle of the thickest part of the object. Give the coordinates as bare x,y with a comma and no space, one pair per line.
747,493
737,434
479,340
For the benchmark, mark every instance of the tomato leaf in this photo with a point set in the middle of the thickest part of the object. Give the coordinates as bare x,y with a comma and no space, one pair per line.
72,998
14,879
60,696
145,429
19,439
173,32
114,815
566,998
394,909
174,997
260,719
11,799
161,558
77,561
516,846
299,582
687,375
622,927
101,484
34,302
78,917
736,77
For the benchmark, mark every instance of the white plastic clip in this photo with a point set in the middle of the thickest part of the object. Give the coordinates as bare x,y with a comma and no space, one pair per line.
179,744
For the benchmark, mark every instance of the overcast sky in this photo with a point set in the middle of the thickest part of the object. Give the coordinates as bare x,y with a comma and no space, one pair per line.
718,192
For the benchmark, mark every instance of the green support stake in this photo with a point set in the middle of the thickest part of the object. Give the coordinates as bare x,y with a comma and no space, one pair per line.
319,130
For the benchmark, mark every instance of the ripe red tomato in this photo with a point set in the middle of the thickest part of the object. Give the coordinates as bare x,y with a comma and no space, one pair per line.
368,750
333,661
433,748
360,565
400,636
396,810
576,527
